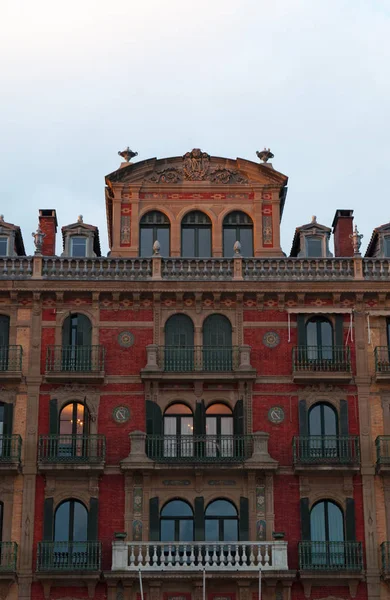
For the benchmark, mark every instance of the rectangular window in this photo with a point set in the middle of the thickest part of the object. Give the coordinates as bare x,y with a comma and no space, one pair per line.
3,246
314,247
387,246
78,247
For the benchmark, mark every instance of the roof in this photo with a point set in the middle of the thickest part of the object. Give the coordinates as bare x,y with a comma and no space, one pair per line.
312,227
19,244
372,245
79,227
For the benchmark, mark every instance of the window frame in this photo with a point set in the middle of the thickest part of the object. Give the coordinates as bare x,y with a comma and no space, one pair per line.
72,502
154,226
238,227
386,246
316,238
6,238
207,225
78,237
221,520
176,520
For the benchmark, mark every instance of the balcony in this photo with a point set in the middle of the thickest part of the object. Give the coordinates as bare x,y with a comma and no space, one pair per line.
10,452
382,363
75,363
382,444
8,558
62,557
206,362
385,556
330,556
326,453
181,559
321,363
11,363
80,452
199,448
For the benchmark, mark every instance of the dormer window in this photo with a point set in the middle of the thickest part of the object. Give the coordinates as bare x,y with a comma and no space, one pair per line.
314,247
3,245
78,245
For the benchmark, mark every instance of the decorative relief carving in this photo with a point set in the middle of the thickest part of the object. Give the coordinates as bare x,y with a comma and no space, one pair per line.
222,482
176,482
125,229
137,500
137,531
126,339
271,339
260,499
260,530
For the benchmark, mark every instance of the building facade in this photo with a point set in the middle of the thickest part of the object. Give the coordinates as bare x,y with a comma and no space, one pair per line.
195,414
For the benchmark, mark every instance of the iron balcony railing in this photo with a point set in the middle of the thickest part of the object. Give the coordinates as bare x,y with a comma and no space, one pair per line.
8,557
198,358
382,359
382,444
11,358
385,554
330,556
72,448
80,359
326,449
69,556
199,448
321,359
10,448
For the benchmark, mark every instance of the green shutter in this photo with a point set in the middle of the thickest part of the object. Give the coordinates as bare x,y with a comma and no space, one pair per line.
305,519
4,330
343,428
339,330
238,418
244,520
200,419
350,531
199,519
53,417
48,520
154,520
303,418
153,418
92,528
301,330
8,418
66,332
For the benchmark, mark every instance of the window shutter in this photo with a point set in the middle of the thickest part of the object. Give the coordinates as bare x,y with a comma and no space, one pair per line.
4,330
8,418
92,528
301,330
238,418
154,520
199,519
339,330
66,331
343,417
48,520
200,419
350,532
303,418
244,520
53,417
305,519
153,418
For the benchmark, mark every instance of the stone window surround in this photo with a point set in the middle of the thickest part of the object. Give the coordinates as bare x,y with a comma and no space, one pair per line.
10,234
62,313
66,396
314,232
79,232
209,397
77,487
331,395
336,489
198,320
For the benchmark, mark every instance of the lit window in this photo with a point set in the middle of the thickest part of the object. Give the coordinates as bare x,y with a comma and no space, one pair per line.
313,247
387,246
78,246
3,246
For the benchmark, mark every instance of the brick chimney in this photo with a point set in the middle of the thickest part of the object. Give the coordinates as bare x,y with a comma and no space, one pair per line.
342,229
48,224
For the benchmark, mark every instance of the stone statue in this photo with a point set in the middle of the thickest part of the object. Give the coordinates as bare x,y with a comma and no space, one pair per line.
38,236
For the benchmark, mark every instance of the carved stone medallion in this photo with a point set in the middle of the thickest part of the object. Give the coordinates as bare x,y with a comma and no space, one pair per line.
276,414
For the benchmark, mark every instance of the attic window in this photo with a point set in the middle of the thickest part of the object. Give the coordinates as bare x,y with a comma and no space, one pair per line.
78,246
314,247
3,246
387,246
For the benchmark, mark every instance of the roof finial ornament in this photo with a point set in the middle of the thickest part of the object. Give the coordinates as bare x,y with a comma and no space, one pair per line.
314,219
356,238
80,219
156,248
237,248
265,155
127,154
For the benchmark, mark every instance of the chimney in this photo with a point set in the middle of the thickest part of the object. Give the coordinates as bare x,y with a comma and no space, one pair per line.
48,224
342,229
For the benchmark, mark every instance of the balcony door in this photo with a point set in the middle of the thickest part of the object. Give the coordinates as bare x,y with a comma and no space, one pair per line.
73,430
4,342
237,227
217,343
70,535
76,343
179,344
319,339
327,535
177,522
219,431
196,235
221,522
323,431
178,431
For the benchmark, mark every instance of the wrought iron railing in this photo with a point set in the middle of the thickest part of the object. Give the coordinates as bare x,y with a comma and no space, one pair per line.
198,358
322,359
196,556
81,359
11,358
8,557
326,449
382,444
10,448
69,556
97,268
199,448
385,555
330,556
382,359
72,448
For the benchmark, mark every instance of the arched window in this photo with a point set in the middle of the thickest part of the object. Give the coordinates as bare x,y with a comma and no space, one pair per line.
179,343
237,227
319,339
177,522
217,343
73,429
327,534
323,431
6,443
76,343
196,235
4,342
154,226
178,431
219,430
71,522
221,522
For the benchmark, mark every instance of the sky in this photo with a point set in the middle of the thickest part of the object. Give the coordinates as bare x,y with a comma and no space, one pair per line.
80,80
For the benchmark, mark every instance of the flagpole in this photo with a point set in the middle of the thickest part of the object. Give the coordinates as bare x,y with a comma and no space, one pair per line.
140,584
259,583
204,583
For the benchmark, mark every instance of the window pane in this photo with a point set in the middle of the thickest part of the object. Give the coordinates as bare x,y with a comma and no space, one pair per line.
335,523
66,420
226,425
330,422
314,247
186,529
80,523
178,409
246,240
176,508
315,420
221,508
212,530
317,522
61,528
79,246
204,242
326,334
3,246
229,239
187,427
188,242
230,531
167,531
146,245
387,246
163,238
218,409
311,333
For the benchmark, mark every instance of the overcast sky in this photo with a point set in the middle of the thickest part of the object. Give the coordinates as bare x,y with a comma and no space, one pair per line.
82,79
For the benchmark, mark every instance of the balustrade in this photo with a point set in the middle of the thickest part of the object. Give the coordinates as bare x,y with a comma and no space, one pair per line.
330,556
